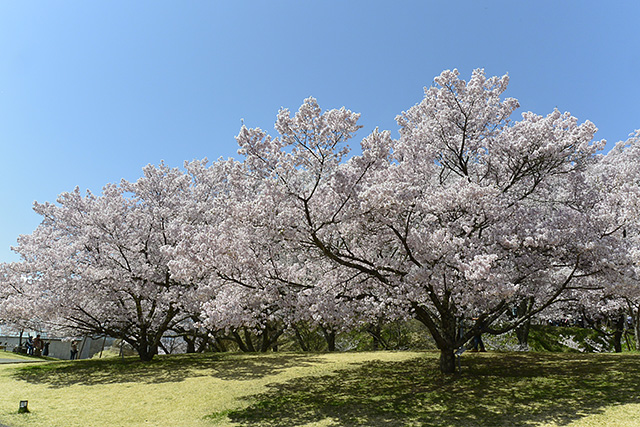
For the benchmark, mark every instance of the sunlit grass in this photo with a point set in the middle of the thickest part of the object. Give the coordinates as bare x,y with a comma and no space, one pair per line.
341,389
169,391
10,355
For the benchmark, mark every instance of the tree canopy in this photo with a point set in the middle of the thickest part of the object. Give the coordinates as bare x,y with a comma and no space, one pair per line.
468,216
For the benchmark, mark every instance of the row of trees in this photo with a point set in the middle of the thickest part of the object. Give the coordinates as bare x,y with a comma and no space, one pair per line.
468,217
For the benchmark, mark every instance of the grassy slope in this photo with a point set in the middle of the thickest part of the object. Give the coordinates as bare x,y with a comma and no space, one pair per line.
170,391
10,355
371,389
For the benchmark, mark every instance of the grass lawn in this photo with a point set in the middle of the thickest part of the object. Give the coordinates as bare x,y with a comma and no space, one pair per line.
341,389
9,355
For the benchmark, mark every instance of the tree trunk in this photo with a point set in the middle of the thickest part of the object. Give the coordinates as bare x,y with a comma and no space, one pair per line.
270,339
217,344
522,331
448,343
330,337
618,324
204,343
191,343
301,342
249,341
146,351
635,318
447,361
375,330
146,355
238,339
446,333
331,341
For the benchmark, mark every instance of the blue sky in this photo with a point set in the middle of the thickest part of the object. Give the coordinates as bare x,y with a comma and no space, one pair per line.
90,92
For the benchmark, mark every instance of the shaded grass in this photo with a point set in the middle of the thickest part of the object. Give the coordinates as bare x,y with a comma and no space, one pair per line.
162,369
512,389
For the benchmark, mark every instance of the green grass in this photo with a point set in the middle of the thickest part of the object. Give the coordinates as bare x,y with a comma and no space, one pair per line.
17,356
342,389
493,390
169,391
10,355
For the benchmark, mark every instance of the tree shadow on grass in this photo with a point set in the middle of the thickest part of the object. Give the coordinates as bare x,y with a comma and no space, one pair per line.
240,367
492,390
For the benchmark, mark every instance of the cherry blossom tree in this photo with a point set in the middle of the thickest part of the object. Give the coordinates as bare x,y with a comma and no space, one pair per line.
96,265
617,176
257,286
222,256
613,192
471,222
464,216
16,310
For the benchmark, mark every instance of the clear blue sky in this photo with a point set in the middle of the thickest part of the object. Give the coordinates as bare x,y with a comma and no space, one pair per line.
90,92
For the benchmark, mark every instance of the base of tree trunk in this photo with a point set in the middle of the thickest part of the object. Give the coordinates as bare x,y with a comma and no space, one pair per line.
447,361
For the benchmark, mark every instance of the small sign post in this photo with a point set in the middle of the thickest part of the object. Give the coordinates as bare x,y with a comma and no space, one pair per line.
23,407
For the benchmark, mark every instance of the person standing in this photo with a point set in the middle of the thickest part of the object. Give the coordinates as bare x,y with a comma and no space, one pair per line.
37,346
74,350
478,345
29,345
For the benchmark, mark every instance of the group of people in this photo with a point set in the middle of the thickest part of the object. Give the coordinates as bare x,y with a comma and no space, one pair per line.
37,347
